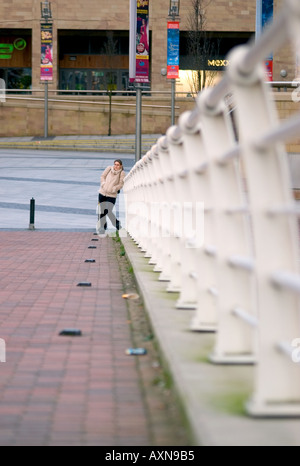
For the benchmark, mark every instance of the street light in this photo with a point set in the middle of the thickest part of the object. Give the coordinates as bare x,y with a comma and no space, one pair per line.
174,9
173,57
46,12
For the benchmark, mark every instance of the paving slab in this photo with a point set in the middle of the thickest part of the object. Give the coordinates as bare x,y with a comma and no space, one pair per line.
64,390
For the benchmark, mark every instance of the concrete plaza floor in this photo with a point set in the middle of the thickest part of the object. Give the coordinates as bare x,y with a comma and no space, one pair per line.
65,187
63,390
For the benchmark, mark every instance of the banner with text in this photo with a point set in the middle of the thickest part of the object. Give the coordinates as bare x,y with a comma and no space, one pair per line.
267,17
46,52
173,50
142,42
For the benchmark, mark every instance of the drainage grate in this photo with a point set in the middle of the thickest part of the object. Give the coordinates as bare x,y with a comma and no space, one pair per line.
71,332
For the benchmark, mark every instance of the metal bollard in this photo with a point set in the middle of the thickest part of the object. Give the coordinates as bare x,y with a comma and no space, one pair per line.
32,214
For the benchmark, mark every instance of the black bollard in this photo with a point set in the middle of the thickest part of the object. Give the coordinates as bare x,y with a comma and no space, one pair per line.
32,214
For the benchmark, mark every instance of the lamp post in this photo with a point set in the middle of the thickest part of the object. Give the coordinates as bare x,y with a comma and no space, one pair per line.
174,9
258,28
46,17
173,51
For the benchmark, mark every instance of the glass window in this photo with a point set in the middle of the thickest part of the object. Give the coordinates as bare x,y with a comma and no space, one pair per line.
112,80
76,44
74,80
98,81
93,80
17,78
81,80
125,80
94,42
97,45
67,80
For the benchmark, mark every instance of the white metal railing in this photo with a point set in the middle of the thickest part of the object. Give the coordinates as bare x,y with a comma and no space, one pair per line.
237,261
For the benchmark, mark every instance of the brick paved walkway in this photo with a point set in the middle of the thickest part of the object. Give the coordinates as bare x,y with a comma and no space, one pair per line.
62,390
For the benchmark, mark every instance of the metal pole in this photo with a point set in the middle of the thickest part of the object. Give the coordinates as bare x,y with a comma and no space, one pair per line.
258,30
173,84
46,111
138,135
46,15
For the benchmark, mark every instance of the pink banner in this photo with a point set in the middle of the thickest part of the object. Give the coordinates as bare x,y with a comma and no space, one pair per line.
46,52
142,42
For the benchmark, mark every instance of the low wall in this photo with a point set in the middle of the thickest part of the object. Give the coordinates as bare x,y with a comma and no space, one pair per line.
84,115
89,115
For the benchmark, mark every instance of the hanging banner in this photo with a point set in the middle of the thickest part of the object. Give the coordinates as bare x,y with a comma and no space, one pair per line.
266,18
173,50
269,70
46,52
267,12
142,42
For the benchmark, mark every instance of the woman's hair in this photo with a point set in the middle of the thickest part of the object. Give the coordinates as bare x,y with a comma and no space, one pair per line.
120,162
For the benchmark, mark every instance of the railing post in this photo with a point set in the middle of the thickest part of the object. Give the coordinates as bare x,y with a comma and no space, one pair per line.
235,341
154,214
174,285
182,203
165,216
205,317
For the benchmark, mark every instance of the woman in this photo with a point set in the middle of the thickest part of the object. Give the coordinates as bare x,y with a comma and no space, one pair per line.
144,35
112,181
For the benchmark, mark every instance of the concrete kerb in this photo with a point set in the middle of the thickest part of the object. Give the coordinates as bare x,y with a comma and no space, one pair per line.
213,396
123,144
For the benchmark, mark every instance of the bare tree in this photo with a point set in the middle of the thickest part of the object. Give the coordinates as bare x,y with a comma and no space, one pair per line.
110,49
200,47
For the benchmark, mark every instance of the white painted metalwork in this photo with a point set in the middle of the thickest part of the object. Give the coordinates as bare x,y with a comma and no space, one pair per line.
241,270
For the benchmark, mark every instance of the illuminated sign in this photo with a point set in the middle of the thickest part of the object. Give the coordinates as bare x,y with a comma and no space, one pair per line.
6,50
218,63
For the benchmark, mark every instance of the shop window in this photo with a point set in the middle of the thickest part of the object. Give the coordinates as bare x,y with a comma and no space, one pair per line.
74,80
98,81
17,78
92,43
112,80
93,80
80,80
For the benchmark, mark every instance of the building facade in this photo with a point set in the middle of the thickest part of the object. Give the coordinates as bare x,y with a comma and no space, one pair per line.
91,41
